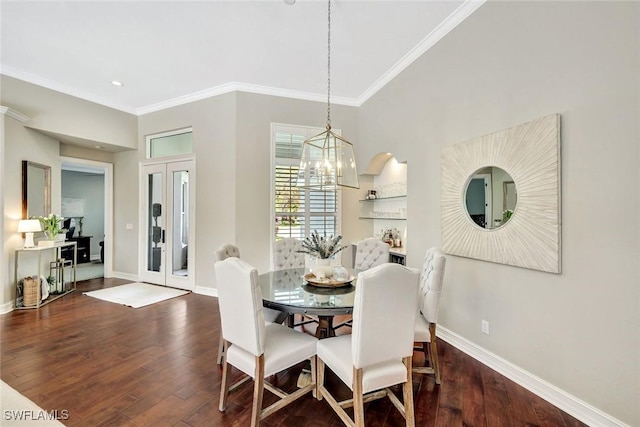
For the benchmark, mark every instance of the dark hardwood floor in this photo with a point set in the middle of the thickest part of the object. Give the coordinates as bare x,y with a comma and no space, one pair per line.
111,365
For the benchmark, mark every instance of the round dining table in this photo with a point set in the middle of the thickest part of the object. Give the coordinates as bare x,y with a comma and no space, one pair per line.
289,292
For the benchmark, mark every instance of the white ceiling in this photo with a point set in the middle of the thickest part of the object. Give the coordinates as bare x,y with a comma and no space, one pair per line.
171,52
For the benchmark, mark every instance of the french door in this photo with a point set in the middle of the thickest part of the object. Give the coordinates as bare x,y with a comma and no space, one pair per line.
168,195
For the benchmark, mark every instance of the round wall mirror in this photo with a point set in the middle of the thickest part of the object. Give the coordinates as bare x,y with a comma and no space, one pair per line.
490,197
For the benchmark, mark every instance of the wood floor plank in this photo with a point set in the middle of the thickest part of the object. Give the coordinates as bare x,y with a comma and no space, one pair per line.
111,365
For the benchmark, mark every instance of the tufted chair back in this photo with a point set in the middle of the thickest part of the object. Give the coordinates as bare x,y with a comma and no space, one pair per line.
226,251
371,252
285,255
375,339
431,277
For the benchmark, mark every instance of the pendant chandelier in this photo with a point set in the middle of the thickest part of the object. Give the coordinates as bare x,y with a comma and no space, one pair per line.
328,160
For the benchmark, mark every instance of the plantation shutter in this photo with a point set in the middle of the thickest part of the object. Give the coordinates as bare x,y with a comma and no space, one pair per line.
299,211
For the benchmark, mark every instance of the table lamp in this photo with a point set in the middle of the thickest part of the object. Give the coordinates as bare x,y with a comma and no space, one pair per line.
29,226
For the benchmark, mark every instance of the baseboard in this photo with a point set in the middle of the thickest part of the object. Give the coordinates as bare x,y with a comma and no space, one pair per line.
6,307
573,406
125,276
203,290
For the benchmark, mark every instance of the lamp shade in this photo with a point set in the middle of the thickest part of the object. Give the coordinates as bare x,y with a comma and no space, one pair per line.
327,162
29,226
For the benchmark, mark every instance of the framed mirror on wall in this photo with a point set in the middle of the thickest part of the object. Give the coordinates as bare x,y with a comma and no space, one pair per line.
501,196
490,203
36,189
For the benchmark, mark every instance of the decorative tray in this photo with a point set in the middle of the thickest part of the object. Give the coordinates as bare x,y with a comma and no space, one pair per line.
327,283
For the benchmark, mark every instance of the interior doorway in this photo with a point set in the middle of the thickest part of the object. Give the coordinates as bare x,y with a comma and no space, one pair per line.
87,205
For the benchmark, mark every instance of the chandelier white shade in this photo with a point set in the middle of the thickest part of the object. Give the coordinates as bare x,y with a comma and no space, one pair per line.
29,226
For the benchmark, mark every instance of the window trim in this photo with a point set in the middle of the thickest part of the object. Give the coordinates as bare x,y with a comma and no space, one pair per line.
148,139
309,131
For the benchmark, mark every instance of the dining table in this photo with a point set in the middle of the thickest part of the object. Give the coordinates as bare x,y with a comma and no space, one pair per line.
291,292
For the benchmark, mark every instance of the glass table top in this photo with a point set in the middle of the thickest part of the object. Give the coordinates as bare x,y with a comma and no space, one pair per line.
288,291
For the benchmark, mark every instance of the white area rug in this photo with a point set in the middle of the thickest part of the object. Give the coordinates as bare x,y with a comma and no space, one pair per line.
18,410
137,294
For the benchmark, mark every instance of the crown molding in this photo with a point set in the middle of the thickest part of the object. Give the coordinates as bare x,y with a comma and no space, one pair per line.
243,87
452,21
455,18
50,84
8,111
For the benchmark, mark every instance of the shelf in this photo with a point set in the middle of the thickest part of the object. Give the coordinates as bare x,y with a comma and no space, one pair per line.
384,198
385,219
49,299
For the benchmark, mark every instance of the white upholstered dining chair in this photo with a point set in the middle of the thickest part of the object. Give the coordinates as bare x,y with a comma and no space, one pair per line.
257,348
286,255
231,251
378,353
431,278
371,252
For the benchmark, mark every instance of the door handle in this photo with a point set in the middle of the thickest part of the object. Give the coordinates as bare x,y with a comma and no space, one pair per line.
162,236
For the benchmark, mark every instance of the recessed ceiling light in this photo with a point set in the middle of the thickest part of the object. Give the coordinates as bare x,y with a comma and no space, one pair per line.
117,83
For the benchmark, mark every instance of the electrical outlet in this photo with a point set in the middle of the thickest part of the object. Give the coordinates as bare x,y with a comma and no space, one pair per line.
485,327
129,227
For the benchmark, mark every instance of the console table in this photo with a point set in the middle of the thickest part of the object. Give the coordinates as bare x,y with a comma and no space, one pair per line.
55,269
84,249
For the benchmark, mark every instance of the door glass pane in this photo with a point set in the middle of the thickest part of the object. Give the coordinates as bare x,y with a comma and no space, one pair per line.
180,229
170,144
154,222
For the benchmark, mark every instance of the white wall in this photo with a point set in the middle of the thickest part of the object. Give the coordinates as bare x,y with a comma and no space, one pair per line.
508,63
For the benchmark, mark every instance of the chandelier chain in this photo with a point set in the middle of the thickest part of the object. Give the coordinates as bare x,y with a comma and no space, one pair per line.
329,65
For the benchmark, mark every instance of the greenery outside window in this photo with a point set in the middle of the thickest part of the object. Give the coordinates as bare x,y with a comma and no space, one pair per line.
298,211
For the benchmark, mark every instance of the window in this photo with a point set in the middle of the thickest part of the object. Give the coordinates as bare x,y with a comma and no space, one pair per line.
297,211
172,143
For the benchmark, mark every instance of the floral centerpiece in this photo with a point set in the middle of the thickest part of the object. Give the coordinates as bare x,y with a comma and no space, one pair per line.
321,246
51,225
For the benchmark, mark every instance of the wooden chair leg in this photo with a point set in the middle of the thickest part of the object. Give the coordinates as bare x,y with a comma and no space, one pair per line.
314,375
358,398
224,388
319,377
258,391
434,352
407,394
221,349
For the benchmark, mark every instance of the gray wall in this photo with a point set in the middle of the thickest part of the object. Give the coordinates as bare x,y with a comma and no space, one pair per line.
21,144
508,63
213,121
90,187
55,112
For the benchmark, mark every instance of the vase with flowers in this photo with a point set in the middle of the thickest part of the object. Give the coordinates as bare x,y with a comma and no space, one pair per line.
323,248
51,225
